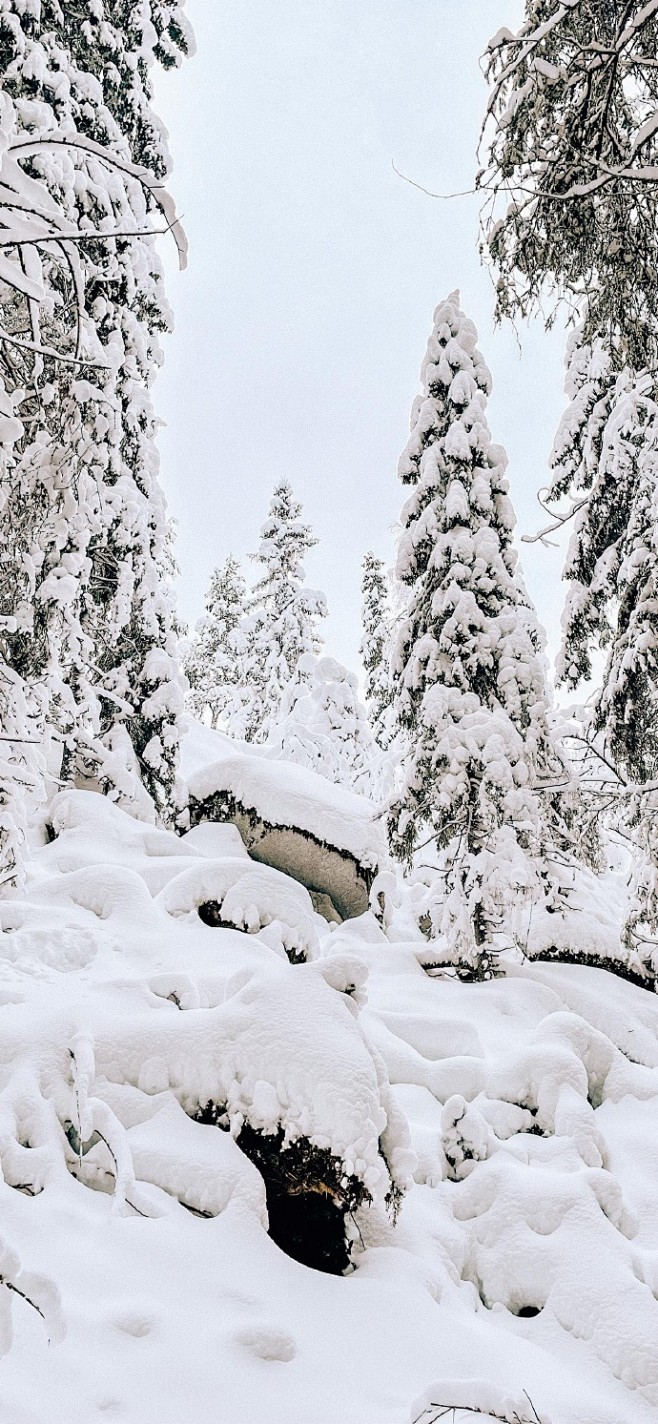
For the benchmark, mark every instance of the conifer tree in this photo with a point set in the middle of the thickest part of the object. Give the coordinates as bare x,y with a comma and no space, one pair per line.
375,648
605,463
84,520
572,184
215,665
572,170
284,613
467,667
605,460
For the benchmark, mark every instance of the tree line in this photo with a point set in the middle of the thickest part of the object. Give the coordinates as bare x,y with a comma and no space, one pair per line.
463,750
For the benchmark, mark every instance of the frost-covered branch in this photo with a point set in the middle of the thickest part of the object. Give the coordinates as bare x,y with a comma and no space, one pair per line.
571,180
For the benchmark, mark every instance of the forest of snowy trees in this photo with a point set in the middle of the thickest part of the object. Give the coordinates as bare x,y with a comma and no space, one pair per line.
93,668
210,838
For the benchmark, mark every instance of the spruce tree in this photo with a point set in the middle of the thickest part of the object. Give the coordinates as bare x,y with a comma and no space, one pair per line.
467,667
572,185
605,461
215,664
284,613
375,648
84,521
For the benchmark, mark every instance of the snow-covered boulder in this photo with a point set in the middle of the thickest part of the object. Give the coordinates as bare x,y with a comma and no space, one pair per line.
292,819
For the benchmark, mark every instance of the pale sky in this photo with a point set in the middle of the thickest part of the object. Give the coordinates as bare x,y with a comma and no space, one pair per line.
314,270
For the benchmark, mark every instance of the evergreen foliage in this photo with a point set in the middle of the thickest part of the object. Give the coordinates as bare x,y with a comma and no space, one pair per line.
572,174
376,647
215,665
284,614
323,725
82,520
605,460
470,692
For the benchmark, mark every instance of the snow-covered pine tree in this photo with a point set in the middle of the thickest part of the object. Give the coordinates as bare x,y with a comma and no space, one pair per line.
605,463
84,518
467,668
214,665
375,648
284,614
323,725
573,142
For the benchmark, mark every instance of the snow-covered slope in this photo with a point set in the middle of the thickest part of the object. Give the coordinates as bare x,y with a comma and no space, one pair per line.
139,1048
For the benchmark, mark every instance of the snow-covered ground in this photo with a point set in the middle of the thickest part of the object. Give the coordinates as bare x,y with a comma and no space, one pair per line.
518,1117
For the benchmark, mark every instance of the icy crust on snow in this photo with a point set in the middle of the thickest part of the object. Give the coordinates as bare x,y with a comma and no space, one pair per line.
520,1279
282,794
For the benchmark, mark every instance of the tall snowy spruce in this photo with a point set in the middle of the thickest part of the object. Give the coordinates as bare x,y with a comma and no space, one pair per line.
88,615
573,141
284,614
605,466
467,668
571,216
375,648
215,665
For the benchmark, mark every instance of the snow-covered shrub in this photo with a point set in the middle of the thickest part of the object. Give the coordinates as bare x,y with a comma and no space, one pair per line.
251,897
322,725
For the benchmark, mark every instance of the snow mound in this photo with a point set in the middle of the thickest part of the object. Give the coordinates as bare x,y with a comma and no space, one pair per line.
250,897
162,1079
479,1398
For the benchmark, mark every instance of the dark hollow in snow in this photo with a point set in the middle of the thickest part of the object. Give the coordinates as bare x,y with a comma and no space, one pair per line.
340,883
210,912
308,1198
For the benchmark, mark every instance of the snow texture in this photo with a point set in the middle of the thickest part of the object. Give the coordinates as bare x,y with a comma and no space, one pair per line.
514,1120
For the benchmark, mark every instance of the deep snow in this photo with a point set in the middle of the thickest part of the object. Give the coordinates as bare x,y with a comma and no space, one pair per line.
521,1277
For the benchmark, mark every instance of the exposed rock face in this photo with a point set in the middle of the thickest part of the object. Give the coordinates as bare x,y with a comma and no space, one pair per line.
339,884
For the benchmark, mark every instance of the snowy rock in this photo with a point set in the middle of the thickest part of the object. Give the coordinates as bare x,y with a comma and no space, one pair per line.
294,820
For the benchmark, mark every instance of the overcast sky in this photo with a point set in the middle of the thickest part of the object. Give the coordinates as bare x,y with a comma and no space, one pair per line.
314,270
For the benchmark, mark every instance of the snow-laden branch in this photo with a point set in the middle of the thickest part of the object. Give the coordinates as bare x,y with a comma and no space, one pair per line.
36,231
571,177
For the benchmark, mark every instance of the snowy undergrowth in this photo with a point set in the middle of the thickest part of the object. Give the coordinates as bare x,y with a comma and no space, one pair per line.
516,1119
